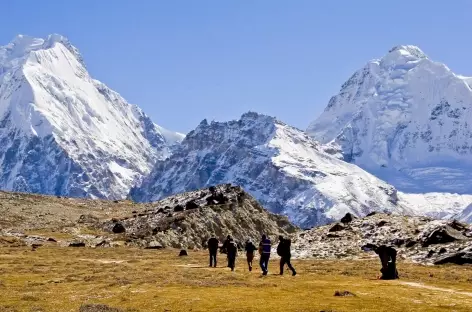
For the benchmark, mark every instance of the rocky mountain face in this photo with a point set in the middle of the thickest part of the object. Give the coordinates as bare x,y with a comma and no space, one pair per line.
418,239
65,133
187,220
406,119
283,168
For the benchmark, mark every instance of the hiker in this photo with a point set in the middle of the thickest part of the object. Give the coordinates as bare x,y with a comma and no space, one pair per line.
213,249
283,250
232,251
264,251
225,244
224,248
249,248
388,257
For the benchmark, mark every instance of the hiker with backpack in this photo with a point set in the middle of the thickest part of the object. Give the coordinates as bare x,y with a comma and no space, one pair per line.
264,250
232,251
283,250
213,249
249,248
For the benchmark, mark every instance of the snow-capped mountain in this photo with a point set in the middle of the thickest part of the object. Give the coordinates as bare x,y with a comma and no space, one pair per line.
63,132
282,167
405,119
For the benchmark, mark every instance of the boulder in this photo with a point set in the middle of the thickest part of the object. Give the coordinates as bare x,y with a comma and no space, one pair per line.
347,218
118,228
191,205
456,225
50,239
87,219
337,227
178,208
445,234
456,258
381,223
154,245
183,252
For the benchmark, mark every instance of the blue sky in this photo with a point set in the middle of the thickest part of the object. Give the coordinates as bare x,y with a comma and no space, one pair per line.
182,61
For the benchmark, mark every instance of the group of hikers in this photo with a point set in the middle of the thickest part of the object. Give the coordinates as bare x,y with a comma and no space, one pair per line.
230,247
386,254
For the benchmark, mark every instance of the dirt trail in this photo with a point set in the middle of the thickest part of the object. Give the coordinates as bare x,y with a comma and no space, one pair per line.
419,285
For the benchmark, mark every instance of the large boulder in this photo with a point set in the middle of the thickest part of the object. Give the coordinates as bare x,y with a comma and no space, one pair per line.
347,218
456,258
444,234
337,227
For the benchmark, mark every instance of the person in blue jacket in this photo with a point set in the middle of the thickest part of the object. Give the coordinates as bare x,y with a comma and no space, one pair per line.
264,250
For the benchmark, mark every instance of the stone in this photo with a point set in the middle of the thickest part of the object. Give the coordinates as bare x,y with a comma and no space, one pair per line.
343,293
381,223
456,225
459,258
178,208
154,245
118,228
183,252
337,227
410,243
347,218
370,214
77,244
50,239
87,219
98,308
191,205
445,234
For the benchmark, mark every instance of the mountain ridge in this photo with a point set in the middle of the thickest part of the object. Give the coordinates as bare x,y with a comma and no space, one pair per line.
67,133
286,170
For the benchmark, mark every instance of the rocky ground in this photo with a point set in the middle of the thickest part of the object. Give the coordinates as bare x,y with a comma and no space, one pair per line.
182,221
187,220
418,239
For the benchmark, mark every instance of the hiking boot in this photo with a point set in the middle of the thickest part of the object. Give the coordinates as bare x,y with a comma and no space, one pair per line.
294,273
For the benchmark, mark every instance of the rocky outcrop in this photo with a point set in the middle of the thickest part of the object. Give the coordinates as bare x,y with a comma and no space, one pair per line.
222,210
419,239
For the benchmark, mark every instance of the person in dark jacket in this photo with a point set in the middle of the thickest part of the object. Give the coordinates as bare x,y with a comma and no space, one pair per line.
249,248
213,249
232,250
264,250
224,248
283,250
388,259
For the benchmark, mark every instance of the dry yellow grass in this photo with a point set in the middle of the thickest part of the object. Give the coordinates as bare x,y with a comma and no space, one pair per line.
62,279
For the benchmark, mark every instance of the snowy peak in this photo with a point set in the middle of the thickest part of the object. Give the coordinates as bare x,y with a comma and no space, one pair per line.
47,95
410,51
406,119
21,46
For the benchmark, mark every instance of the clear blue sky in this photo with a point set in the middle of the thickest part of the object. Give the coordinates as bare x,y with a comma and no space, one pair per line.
182,61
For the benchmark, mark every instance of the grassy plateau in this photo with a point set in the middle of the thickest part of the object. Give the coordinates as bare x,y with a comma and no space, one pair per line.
64,279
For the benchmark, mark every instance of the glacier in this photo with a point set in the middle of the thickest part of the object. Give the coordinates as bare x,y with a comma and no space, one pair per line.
65,133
